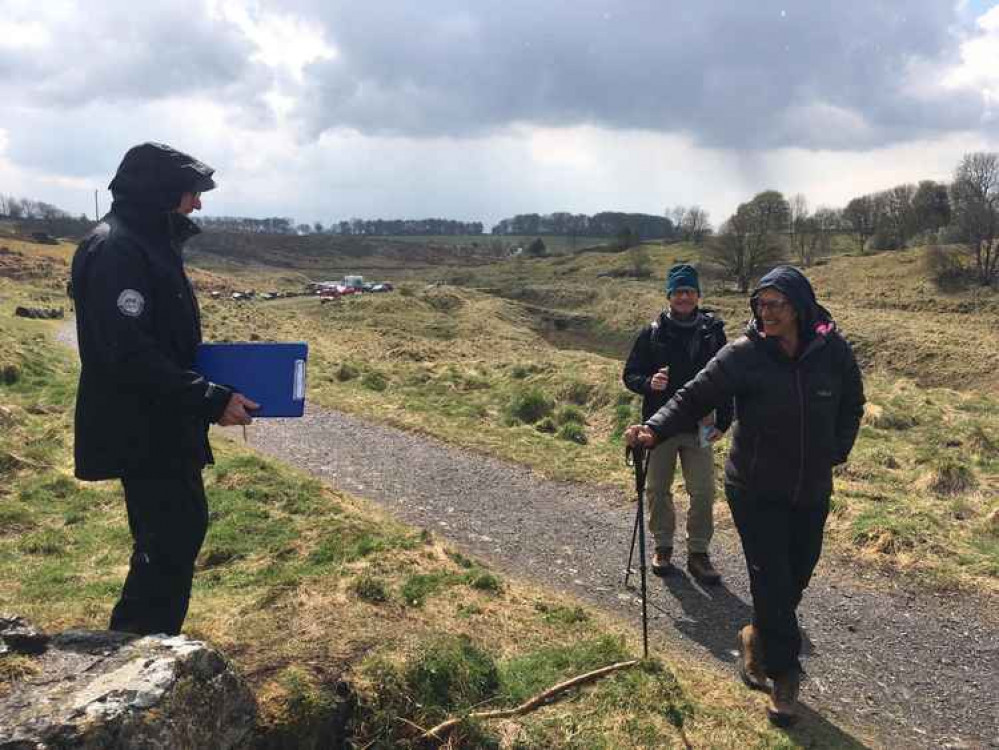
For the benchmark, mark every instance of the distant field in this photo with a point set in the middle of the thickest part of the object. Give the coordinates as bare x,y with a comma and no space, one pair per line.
555,245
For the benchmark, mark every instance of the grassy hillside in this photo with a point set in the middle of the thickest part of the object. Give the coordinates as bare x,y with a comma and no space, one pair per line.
303,586
522,359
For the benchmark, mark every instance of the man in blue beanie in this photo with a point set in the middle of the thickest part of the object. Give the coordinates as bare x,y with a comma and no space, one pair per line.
667,353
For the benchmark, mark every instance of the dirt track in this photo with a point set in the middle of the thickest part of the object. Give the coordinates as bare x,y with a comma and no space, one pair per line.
916,670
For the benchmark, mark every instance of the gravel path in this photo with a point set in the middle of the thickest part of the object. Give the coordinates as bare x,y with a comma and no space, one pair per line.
918,670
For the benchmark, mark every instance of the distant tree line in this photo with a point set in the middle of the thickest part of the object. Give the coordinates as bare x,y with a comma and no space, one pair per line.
604,224
38,215
273,225
404,227
353,227
770,227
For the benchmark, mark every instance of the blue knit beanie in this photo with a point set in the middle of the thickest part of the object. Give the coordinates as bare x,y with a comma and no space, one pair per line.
682,275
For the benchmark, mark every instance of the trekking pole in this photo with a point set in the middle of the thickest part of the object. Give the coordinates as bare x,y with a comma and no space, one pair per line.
631,550
637,456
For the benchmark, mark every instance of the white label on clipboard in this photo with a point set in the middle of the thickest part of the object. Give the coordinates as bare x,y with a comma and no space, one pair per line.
298,392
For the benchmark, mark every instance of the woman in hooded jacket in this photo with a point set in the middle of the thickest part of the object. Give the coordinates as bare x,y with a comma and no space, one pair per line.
799,398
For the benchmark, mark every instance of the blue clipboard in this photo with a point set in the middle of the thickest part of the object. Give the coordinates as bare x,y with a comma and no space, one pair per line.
272,374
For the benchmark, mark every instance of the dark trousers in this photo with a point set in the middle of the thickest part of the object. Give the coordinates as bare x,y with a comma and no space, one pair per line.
168,518
782,543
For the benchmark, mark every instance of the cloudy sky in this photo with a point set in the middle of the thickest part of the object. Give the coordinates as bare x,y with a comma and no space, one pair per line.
480,109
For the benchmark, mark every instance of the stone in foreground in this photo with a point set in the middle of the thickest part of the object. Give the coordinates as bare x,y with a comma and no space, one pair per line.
91,690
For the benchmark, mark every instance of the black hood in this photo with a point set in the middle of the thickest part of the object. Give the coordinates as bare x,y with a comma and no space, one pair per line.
153,176
813,318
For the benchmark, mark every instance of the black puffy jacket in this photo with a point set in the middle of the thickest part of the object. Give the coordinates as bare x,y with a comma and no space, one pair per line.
685,351
141,410
795,418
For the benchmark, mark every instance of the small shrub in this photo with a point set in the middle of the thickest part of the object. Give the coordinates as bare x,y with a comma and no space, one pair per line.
573,432
559,615
890,417
460,560
950,477
530,405
10,374
520,372
346,371
946,268
370,589
419,586
982,444
485,581
883,456
44,542
570,415
216,556
547,425
576,392
451,672
888,532
374,381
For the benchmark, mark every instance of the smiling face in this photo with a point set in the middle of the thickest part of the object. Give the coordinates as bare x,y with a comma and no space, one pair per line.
779,318
683,301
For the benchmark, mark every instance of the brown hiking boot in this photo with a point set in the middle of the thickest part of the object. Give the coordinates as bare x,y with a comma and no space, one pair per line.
783,708
661,565
699,565
751,659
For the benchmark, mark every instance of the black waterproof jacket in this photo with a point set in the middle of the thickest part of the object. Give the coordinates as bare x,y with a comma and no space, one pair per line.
686,352
795,418
140,409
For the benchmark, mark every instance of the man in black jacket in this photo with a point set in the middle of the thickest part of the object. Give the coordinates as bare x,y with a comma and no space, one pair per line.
799,399
142,413
667,354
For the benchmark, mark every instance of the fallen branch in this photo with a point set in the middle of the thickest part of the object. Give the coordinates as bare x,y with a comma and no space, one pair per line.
530,705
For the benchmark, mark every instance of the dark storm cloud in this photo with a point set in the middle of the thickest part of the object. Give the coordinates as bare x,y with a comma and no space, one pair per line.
126,51
732,73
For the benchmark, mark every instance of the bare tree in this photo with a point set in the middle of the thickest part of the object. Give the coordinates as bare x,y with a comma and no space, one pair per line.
895,215
798,226
975,201
750,241
696,225
861,215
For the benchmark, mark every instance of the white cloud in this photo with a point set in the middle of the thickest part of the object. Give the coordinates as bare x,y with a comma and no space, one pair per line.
339,109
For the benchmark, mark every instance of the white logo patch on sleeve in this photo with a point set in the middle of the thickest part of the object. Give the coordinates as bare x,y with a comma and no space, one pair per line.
131,303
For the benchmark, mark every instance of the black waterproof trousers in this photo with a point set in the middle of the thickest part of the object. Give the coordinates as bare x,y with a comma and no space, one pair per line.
782,542
168,518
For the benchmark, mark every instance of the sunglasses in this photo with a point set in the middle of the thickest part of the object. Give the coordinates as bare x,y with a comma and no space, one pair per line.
770,305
